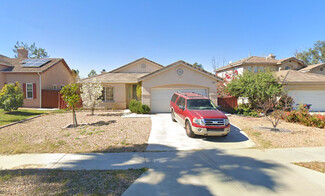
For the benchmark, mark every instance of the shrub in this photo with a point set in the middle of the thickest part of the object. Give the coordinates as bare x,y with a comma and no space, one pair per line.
303,117
11,97
136,107
246,110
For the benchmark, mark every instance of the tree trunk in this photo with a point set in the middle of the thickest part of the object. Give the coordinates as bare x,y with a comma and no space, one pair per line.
74,116
92,111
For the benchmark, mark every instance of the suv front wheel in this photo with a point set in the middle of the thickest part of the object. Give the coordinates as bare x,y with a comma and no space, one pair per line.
188,128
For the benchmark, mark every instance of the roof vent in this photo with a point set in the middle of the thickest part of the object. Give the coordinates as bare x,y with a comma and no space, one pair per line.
103,71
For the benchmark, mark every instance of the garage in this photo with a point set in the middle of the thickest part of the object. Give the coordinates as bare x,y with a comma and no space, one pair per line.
314,97
160,97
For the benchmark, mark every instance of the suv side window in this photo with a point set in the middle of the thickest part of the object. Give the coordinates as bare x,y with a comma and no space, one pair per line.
180,102
174,97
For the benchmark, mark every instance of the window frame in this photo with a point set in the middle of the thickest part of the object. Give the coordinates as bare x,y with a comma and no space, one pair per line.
104,94
31,92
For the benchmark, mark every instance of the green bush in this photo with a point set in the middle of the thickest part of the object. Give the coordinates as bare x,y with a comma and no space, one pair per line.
303,117
136,107
246,110
11,97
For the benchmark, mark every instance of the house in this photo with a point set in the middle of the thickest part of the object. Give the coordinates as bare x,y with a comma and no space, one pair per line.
257,63
35,76
317,69
158,83
305,84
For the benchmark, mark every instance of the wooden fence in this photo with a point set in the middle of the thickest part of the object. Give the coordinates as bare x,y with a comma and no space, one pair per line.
53,99
227,102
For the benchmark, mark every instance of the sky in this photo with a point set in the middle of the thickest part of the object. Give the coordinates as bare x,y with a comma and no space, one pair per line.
93,34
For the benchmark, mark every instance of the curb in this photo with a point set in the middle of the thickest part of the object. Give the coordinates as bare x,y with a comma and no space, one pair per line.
27,119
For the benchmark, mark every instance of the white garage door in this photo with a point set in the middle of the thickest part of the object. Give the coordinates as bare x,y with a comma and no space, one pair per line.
316,98
160,97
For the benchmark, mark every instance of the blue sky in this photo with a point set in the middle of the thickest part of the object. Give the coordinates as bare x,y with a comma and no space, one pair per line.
108,34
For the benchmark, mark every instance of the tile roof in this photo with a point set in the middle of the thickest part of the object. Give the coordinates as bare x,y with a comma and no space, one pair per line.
15,65
256,60
177,63
115,78
143,58
293,76
310,67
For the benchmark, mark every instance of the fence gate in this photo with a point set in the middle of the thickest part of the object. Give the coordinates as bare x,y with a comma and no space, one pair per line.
50,98
227,102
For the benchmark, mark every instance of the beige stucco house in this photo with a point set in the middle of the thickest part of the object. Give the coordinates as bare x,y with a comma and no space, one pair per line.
34,75
158,83
305,84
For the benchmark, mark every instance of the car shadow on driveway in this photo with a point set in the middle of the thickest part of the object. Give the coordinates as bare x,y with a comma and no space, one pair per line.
235,135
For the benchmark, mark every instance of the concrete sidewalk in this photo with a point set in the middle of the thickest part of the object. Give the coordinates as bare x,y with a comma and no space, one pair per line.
204,172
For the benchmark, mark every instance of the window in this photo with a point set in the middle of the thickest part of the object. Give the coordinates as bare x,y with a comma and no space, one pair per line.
321,69
62,86
174,97
107,94
55,86
287,68
262,69
29,91
249,68
255,69
180,102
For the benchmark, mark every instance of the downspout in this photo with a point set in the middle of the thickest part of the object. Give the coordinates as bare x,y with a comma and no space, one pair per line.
40,89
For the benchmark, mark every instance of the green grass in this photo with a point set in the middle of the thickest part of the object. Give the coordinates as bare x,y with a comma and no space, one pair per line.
20,114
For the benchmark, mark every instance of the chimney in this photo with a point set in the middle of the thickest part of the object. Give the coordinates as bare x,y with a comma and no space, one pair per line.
271,56
22,53
103,71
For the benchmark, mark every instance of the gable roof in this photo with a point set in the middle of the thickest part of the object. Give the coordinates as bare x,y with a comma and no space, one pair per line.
293,76
115,78
310,67
140,59
180,62
258,60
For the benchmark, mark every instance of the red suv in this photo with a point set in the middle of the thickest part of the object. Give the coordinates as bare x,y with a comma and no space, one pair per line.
198,115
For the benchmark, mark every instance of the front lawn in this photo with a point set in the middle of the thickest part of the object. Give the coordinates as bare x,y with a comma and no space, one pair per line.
317,166
62,182
295,135
20,114
104,133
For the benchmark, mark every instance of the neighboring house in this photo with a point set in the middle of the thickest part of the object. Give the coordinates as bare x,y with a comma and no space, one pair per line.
158,83
256,63
34,75
317,69
305,84
305,88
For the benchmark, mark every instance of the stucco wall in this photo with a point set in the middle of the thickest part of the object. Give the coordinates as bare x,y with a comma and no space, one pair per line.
318,70
293,64
140,67
119,93
58,75
170,78
288,87
25,78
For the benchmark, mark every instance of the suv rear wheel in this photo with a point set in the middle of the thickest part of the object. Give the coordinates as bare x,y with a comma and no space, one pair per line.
172,114
188,128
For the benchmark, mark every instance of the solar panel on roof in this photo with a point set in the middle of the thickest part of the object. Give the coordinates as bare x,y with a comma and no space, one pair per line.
34,62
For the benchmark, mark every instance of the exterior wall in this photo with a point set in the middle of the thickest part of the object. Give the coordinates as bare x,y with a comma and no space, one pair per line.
58,74
311,86
318,70
25,78
170,78
240,70
119,94
293,65
138,68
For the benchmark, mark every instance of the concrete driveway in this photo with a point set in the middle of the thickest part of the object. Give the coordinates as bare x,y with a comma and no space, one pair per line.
167,135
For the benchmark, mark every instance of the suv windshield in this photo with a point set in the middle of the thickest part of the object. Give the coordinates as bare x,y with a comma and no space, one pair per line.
200,104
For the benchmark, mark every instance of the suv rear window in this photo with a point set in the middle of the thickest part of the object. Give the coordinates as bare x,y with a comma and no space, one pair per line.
174,97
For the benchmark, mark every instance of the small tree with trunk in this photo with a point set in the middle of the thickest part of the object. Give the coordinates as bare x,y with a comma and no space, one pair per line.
90,94
11,97
71,95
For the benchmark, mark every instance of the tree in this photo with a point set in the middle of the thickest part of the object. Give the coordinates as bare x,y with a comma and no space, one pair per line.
71,95
75,75
200,66
11,97
90,94
257,87
313,55
92,73
33,51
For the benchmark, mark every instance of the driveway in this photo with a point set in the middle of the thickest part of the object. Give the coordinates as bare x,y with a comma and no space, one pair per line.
167,135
